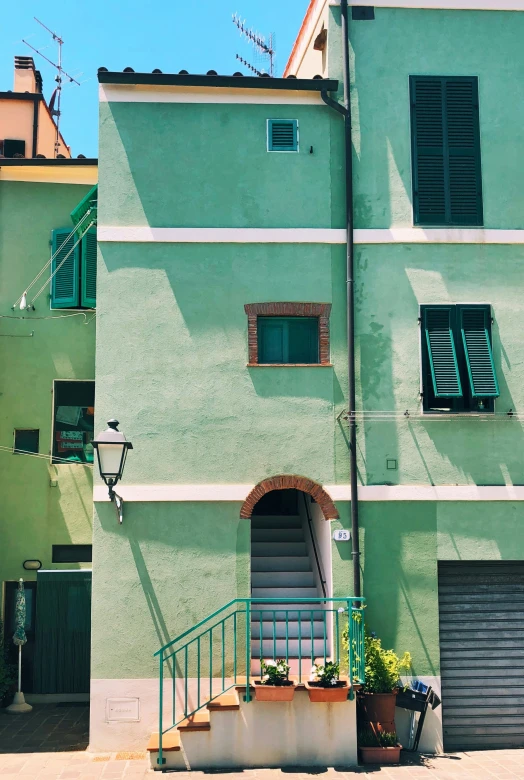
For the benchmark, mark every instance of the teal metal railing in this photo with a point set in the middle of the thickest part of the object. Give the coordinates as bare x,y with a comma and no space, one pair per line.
216,654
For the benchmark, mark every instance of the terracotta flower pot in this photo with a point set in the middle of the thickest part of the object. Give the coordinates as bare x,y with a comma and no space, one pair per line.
274,692
377,707
380,755
335,693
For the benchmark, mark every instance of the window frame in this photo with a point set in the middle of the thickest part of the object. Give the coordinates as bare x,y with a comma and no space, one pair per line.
322,311
465,404
417,222
53,413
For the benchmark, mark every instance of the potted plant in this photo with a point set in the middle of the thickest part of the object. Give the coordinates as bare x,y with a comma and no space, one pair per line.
378,697
325,683
275,684
378,748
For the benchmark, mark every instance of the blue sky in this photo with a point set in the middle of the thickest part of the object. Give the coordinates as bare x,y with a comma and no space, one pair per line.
197,35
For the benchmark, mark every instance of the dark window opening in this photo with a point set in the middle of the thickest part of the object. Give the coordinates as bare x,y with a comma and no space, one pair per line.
12,148
72,553
288,340
26,440
445,136
362,13
74,410
458,371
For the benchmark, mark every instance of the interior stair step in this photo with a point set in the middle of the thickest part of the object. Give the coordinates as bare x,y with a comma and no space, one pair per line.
276,549
200,721
268,649
276,521
170,742
277,535
280,563
286,611
292,629
283,593
224,703
287,579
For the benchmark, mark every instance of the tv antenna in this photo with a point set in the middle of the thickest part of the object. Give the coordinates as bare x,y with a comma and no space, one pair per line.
263,48
54,103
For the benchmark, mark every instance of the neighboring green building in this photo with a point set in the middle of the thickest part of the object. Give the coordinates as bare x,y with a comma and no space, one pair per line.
46,416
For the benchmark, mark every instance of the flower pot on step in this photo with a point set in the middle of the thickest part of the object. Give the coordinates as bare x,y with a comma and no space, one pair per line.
380,755
333,693
377,707
274,692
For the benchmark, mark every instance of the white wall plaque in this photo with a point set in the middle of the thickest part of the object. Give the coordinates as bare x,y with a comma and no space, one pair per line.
341,536
119,710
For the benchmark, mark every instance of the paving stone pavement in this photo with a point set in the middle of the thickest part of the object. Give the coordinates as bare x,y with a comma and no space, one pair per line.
51,744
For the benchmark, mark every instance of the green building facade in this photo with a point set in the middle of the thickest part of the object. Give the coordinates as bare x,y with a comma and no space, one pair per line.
47,357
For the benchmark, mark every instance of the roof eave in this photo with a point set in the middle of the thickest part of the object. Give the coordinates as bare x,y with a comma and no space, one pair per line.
226,82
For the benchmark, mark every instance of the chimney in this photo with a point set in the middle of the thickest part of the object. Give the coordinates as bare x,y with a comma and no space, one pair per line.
25,76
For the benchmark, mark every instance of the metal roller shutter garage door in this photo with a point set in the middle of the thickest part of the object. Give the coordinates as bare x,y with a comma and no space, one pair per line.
481,615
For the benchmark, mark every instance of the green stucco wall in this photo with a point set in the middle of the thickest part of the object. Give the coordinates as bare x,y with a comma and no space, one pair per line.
34,515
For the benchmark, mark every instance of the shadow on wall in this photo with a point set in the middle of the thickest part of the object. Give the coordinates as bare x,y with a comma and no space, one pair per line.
399,545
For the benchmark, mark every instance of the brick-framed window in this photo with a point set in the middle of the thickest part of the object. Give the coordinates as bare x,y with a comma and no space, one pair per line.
319,311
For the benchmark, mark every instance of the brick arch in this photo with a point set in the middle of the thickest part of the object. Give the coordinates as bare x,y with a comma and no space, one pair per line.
283,481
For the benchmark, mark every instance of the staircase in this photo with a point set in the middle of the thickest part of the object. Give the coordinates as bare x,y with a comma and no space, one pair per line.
282,568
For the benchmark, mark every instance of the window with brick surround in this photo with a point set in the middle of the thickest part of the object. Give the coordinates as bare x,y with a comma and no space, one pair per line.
287,333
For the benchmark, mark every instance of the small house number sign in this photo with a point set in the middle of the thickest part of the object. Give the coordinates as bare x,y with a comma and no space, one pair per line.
341,536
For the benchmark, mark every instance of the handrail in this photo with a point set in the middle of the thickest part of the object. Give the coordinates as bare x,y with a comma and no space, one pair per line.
310,526
218,647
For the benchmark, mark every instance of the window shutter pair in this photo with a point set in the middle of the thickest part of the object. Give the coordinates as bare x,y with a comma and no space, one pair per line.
71,264
447,182
442,350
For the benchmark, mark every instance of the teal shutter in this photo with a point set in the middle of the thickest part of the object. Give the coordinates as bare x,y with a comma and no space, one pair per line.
447,182
479,355
65,282
429,186
463,141
282,135
88,269
303,340
442,353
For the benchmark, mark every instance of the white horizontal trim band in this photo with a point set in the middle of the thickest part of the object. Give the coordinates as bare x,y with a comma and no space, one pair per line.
175,493
145,234
223,235
439,236
144,93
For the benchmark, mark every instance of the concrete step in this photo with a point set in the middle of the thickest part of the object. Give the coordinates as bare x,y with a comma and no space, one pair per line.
292,629
276,521
227,702
283,593
200,721
277,535
287,579
281,563
277,649
170,742
276,549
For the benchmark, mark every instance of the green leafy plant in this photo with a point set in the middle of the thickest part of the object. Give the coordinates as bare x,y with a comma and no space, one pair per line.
7,670
368,738
274,672
326,675
383,667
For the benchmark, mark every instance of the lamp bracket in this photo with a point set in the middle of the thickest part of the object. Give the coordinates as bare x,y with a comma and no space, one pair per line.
118,501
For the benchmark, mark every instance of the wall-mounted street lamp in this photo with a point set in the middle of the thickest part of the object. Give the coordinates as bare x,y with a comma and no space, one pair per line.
111,448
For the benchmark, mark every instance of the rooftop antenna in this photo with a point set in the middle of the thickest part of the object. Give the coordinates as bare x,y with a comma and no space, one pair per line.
54,103
263,48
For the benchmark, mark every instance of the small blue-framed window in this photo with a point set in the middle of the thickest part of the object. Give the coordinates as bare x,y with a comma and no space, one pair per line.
282,135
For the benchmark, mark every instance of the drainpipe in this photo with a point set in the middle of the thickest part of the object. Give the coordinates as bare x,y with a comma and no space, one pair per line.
345,110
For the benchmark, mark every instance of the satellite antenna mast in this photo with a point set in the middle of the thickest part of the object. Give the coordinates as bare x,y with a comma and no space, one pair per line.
262,47
54,103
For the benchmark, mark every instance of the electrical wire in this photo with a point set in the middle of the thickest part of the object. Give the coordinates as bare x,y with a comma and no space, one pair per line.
46,266
42,456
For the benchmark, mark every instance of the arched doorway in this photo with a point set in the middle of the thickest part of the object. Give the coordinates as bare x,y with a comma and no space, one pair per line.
290,560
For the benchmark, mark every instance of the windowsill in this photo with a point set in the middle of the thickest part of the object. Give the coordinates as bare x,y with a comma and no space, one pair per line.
289,365
444,226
